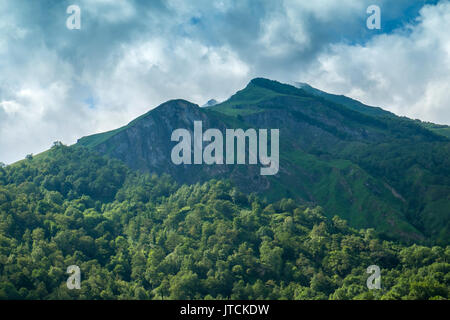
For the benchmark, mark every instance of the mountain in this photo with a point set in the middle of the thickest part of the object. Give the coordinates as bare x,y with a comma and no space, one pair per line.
367,165
210,103
140,227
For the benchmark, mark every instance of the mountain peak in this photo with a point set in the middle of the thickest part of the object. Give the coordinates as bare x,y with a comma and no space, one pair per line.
259,89
210,103
275,86
176,103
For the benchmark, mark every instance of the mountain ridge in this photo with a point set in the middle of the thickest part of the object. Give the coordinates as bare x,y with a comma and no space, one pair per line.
331,155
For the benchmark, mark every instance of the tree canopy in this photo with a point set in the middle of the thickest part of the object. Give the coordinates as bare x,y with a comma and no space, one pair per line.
141,236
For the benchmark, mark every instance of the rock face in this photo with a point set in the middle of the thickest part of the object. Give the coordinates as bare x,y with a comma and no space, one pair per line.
145,145
364,164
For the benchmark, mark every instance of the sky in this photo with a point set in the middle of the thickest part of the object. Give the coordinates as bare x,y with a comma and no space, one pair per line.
129,56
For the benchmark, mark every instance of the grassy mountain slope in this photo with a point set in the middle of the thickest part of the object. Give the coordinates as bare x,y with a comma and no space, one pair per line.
355,105
443,130
346,101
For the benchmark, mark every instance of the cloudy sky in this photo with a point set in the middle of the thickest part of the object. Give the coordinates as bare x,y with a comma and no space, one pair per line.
129,56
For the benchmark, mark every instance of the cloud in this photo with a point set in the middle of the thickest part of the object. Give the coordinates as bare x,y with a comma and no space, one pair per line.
131,55
38,108
109,11
407,71
148,73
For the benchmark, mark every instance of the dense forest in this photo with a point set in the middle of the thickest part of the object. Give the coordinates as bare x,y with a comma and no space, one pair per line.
141,236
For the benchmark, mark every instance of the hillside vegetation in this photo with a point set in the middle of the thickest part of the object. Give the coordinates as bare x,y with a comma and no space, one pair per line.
141,236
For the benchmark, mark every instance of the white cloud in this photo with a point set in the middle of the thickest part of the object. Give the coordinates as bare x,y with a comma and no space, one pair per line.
324,10
146,74
37,105
407,72
111,11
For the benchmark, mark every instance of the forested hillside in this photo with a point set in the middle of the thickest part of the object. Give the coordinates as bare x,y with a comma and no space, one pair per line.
363,164
140,236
